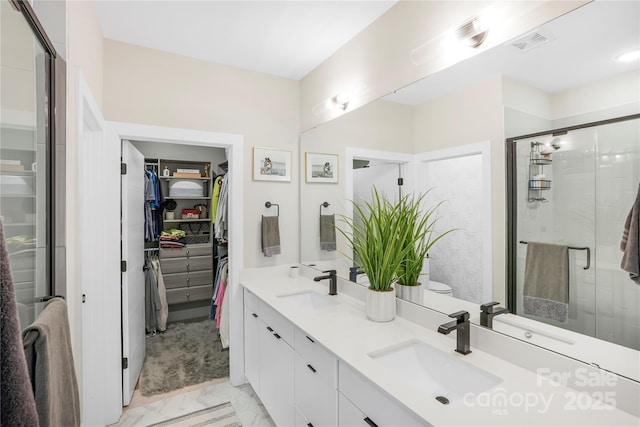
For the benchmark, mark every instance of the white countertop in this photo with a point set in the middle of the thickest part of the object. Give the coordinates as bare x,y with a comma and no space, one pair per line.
345,331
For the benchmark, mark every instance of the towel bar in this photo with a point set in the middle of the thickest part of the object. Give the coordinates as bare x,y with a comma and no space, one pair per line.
269,204
576,248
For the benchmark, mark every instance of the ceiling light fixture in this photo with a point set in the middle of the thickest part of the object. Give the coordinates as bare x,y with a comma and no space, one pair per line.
629,56
472,33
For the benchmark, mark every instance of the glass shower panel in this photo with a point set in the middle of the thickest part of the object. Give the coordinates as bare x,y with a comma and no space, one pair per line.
23,154
617,183
556,204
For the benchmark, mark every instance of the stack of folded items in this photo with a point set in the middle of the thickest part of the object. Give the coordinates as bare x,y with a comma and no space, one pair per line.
173,238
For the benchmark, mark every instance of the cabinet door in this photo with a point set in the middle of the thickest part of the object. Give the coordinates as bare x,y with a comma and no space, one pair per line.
251,348
314,397
349,414
276,376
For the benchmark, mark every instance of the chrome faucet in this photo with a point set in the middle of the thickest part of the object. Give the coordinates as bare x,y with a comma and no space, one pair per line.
354,272
462,325
333,281
489,312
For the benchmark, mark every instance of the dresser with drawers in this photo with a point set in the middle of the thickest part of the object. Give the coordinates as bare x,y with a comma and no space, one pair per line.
188,273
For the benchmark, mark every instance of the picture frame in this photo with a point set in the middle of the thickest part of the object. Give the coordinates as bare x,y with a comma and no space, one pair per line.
321,168
270,164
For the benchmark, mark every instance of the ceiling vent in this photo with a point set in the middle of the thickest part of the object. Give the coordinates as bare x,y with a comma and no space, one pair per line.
532,40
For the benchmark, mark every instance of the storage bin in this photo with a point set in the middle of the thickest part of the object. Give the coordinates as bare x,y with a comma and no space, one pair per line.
186,188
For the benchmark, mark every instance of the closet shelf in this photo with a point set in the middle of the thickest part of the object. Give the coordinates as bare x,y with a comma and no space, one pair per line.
188,198
188,220
202,178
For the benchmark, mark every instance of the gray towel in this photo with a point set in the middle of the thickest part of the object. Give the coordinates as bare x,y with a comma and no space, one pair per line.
47,345
270,235
18,406
546,281
328,232
630,243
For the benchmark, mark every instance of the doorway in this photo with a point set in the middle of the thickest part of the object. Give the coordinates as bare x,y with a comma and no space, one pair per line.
107,285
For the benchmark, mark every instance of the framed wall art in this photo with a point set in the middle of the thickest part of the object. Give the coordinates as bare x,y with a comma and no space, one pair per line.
270,164
321,167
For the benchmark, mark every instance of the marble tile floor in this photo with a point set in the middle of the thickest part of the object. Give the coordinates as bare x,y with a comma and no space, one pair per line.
246,404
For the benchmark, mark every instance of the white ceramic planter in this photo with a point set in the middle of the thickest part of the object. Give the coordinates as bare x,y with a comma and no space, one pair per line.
381,306
410,293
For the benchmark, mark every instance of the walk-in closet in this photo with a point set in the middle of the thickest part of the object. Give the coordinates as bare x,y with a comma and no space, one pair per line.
185,212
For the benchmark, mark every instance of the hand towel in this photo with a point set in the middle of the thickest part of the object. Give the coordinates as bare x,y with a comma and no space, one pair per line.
47,345
18,406
546,281
328,232
270,235
630,243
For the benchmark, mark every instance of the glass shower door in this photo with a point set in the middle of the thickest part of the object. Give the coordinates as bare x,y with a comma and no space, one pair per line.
556,178
617,184
24,159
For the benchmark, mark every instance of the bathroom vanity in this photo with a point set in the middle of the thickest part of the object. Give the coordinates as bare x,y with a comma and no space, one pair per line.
315,359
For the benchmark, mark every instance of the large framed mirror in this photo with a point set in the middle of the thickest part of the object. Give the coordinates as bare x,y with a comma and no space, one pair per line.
448,132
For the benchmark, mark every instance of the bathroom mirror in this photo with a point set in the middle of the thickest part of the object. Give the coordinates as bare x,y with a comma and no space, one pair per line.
457,121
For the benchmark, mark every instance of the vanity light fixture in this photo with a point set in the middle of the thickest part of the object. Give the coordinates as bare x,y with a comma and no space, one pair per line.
340,101
629,56
472,33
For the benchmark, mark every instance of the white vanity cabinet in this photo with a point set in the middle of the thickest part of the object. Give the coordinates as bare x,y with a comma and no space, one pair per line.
316,395
251,340
276,365
364,404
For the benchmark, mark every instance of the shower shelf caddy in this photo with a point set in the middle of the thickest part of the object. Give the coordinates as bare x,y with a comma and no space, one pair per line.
537,162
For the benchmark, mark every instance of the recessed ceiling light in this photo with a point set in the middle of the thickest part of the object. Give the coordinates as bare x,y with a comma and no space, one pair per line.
629,56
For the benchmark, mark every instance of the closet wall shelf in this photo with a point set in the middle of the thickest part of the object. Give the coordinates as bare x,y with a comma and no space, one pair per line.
188,198
187,220
202,178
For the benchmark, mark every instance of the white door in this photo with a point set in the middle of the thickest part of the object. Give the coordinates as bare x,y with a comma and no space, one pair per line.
133,327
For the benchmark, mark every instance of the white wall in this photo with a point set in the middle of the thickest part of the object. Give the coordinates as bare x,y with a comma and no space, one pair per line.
464,117
380,60
148,86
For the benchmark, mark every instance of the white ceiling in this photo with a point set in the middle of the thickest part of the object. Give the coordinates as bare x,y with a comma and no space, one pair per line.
584,48
291,38
283,38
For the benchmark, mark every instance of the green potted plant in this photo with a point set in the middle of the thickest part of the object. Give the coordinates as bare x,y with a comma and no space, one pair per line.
378,240
419,222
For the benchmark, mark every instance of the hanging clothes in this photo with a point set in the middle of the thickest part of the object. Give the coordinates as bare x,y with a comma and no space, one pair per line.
163,312
215,196
221,225
153,304
152,206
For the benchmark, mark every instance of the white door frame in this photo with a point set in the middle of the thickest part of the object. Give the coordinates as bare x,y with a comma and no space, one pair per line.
90,130
482,148
108,229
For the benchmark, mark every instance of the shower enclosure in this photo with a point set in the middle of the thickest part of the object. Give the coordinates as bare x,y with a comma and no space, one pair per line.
575,187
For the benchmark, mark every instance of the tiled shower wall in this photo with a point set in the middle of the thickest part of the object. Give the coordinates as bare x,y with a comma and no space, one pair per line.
595,177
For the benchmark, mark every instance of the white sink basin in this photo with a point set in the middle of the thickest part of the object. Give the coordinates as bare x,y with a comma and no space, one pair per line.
434,371
309,300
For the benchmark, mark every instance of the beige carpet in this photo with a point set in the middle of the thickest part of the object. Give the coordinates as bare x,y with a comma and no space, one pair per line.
218,416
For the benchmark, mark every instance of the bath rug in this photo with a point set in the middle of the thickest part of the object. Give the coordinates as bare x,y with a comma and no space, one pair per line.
218,416
185,354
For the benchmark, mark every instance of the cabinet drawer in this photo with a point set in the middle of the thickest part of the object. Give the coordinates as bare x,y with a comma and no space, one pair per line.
374,403
197,293
185,265
251,300
187,251
181,280
316,400
277,322
321,359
